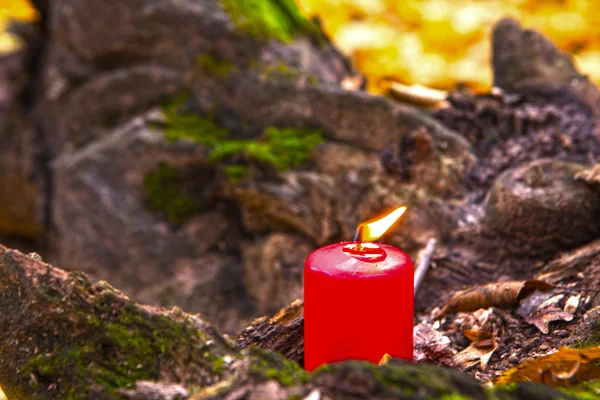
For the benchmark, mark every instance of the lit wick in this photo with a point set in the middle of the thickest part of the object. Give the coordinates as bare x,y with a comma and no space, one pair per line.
358,238
358,233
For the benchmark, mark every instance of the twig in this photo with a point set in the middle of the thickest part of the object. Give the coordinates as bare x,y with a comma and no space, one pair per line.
423,266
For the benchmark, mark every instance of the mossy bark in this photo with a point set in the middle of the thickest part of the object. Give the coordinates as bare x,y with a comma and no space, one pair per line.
65,336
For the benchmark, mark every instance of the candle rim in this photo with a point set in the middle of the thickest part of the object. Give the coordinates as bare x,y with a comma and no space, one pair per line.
401,261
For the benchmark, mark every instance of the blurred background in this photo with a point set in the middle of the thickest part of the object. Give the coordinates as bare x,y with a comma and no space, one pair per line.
444,43
437,43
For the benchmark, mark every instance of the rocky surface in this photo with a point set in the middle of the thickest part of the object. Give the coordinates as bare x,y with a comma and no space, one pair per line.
127,135
66,336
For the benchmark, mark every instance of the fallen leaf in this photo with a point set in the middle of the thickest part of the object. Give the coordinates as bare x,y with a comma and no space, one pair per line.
572,303
589,175
540,309
479,351
565,367
498,294
419,95
385,359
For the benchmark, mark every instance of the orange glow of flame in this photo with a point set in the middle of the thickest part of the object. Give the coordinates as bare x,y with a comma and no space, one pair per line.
374,229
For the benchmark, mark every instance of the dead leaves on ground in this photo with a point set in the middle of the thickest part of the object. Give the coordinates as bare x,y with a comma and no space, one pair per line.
499,294
540,309
483,344
566,367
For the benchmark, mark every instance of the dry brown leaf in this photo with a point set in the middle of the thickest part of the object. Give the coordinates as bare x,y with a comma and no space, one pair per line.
566,367
499,294
479,351
540,309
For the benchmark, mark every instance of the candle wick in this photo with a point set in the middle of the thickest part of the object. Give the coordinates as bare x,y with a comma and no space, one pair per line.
357,235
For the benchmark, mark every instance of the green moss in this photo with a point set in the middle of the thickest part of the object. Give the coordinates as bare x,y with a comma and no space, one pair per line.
592,340
585,390
526,390
407,379
236,173
509,386
214,65
454,396
114,353
268,365
283,71
190,126
280,70
270,19
283,148
164,193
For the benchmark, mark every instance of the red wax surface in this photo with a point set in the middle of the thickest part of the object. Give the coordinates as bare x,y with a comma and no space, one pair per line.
358,304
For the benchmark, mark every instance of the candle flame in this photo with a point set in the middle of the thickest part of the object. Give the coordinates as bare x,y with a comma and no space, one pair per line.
374,229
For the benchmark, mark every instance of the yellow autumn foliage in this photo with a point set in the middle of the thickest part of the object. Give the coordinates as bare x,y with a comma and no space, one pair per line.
565,367
436,43
16,10
443,43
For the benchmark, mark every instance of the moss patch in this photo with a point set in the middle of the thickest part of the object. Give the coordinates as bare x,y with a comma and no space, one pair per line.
267,365
164,193
282,70
190,126
214,65
399,379
283,148
585,390
236,173
113,346
592,340
270,19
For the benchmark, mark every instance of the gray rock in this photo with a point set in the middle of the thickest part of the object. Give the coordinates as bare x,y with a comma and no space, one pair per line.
539,208
525,58
105,226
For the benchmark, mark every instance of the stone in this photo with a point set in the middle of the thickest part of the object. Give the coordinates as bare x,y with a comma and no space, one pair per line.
539,208
105,225
524,57
273,270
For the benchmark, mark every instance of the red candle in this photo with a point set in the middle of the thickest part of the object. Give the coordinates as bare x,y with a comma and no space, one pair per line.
358,299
